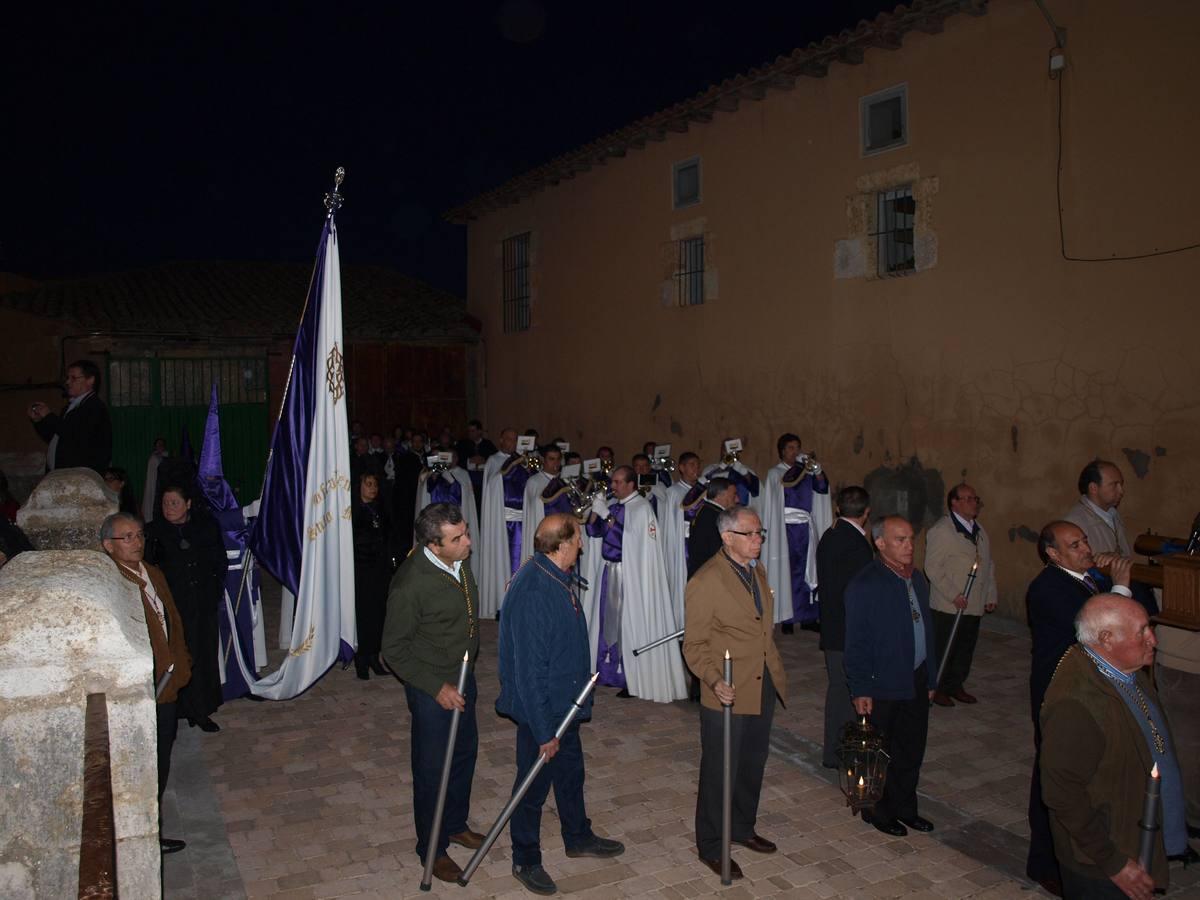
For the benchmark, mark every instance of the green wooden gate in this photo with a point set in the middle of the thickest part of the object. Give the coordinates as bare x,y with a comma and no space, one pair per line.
150,398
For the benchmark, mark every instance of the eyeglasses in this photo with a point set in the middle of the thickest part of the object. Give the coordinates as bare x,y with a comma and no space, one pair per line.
132,536
761,534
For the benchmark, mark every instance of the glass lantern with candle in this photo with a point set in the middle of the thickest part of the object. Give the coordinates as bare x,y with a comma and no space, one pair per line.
864,763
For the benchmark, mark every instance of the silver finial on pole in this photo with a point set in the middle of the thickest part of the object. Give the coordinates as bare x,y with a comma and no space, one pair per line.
333,200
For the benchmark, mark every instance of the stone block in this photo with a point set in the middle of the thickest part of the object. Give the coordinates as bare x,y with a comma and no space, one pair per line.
66,509
70,626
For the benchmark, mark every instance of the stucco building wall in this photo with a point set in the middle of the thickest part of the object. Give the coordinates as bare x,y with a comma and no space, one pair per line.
998,360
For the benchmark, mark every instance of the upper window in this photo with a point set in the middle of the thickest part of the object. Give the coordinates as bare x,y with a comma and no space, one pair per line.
685,180
515,293
884,119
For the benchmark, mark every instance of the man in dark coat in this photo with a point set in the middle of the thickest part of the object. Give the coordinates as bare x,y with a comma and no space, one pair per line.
843,552
704,541
82,435
545,660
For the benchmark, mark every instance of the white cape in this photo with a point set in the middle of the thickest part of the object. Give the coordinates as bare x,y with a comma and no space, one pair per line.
493,571
775,553
646,610
532,512
674,535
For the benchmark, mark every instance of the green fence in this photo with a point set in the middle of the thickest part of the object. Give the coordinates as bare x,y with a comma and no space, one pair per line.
161,397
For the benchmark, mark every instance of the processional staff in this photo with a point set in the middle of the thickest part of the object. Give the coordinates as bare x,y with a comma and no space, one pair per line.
436,829
727,781
954,628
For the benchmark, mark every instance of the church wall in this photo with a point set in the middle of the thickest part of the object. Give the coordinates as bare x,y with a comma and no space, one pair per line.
997,360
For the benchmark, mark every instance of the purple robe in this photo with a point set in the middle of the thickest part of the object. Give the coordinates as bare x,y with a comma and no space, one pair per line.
798,492
608,652
556,498
514,476
442,491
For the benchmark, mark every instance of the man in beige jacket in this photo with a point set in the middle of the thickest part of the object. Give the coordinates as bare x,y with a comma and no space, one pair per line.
729,606
953,545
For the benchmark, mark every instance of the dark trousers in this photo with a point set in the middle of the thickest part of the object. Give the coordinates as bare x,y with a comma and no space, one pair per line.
565,771
430,733
167,726
1041,864
750,746
1080,887
839,708
958,666
905,726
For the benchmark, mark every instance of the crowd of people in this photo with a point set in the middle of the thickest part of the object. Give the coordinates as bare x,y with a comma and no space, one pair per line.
587,561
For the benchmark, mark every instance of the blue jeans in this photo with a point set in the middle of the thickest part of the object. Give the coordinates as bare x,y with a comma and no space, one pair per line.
430,732
565,772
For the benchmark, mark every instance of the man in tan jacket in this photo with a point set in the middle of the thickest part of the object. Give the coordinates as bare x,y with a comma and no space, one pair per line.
124,541
730,607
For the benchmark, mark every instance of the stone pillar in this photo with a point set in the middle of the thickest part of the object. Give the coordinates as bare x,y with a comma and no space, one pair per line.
70,626
65,510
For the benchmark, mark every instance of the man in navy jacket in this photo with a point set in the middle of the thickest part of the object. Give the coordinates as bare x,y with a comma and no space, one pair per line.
890,667
545,660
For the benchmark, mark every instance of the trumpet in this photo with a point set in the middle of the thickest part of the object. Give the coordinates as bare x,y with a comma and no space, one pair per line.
531,463
809,463
730,458
606,467
581,500
666,463
437,468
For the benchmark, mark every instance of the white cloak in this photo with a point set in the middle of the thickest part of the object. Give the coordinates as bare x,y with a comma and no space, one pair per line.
493,570
674,535
533,511
775,553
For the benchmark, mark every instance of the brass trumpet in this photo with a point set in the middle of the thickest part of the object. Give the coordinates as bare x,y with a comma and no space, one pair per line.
606,467
730,458
531,463
666,463
808,462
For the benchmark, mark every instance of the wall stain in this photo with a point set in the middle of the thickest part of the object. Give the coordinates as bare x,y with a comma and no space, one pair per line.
1024,532
676,428
1139,459
1160,451
858,443
1015,434
657,402
909,490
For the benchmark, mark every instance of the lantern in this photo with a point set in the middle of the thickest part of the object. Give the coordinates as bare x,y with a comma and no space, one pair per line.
864,763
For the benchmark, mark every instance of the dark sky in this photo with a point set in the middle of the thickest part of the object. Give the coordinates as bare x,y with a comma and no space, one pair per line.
136,133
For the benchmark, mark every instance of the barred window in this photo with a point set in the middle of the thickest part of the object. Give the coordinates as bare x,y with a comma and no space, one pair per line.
129,382
516,283
896,210
689,272
188,382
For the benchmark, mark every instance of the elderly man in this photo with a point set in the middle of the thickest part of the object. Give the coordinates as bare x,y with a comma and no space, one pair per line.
1102,731
843,552
432,620
796,512
1052,602
544,663
890,667
955,547
124,541
729,608
504,478
630,605
82,435
704,540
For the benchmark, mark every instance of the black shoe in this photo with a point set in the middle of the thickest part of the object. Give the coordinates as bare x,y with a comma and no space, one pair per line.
624,694
1193,832
787,628
916,823
598,847
814,627
535,879
207,724
377,666
892,827
363,672
171,845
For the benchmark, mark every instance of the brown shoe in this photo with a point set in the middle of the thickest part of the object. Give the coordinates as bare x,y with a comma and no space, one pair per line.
446,869
735,871
758,844
942,699
472,840
963,697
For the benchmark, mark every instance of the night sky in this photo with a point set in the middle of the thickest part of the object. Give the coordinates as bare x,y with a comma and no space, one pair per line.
136,133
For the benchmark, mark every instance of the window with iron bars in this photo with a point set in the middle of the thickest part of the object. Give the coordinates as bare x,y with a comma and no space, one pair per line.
515,292
689,272
895,213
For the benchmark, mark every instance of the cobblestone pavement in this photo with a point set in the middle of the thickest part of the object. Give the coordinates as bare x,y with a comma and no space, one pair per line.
311,798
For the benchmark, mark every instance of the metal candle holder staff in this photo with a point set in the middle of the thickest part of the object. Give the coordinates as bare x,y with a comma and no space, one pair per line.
162,682
727,781
439,809
523,788
954,628
1149,822
658,643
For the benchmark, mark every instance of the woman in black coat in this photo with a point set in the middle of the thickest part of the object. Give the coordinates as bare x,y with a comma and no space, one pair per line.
186,544
373,567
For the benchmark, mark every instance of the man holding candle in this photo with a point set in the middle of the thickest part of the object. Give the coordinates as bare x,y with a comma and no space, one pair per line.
1102,732
730,607
890,667
432,620
544,663
958,564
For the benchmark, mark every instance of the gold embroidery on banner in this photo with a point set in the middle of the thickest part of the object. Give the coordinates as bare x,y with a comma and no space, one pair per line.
308,642
335,378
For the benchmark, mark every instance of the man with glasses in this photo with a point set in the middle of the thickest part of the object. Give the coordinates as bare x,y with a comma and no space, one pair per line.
730,608
82,435
124,541
953,545
432,620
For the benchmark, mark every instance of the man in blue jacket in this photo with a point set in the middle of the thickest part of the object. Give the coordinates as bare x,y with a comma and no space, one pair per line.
544,663
890,668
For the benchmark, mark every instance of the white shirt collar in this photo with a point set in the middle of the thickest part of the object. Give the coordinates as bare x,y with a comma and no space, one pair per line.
965,523
853,525
452,570
1078,576
630,497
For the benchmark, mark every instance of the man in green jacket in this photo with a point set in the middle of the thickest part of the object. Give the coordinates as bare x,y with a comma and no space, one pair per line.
432,620
1102,731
